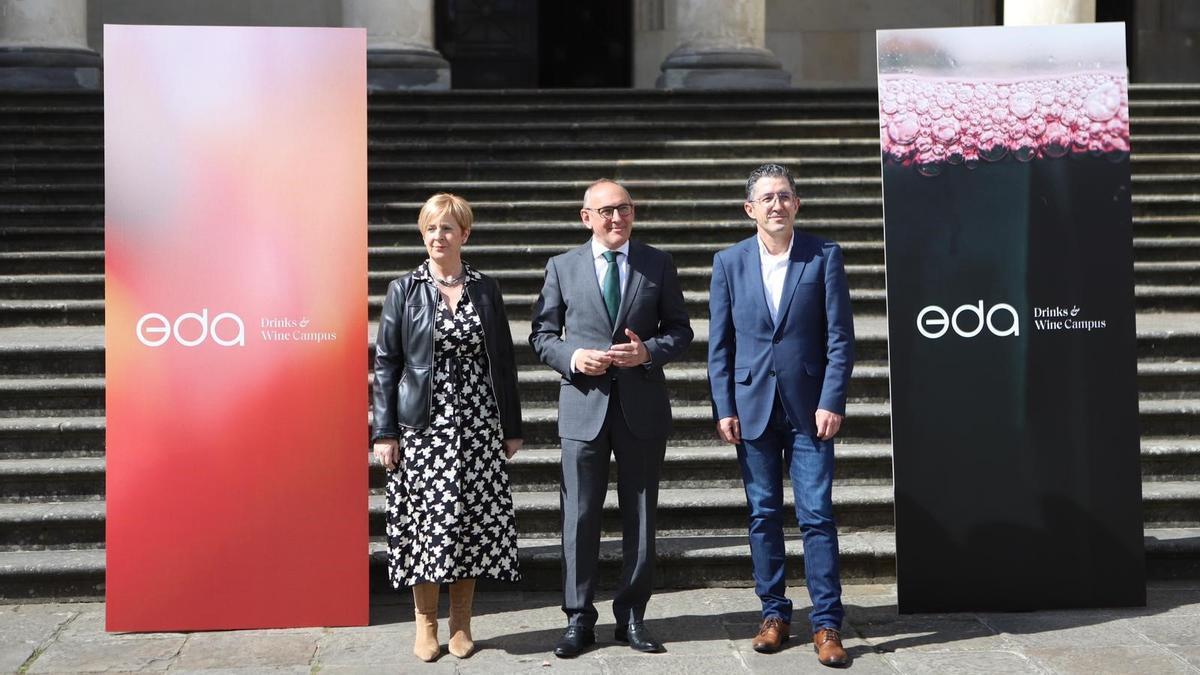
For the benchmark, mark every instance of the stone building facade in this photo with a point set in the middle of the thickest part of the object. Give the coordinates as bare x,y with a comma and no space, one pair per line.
437,44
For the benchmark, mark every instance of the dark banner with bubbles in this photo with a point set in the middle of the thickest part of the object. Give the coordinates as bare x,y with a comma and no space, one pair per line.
1011,337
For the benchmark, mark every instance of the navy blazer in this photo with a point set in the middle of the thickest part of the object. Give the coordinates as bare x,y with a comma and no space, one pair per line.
806,356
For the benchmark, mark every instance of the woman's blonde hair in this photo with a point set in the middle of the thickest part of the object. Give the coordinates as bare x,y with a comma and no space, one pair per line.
443,203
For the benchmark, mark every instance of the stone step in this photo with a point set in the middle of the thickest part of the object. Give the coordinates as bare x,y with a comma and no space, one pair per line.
868,205
51,286
40,479
1145,166
718,108
839,165
681,511
863,301
490,106
396,246
756,124
26,437
52,172
42,437
1148,189
51,312
687,384
1159,187
1184,273
681,562
53,261
619,149
79,350
55,478
50,238
40,249
58,351
80,524
34,194
51,396
490,257
750,124
1141,93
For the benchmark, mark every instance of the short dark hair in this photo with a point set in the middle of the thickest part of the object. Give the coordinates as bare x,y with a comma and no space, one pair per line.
768,171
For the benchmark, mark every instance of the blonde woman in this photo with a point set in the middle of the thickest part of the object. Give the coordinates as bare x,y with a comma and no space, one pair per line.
446,418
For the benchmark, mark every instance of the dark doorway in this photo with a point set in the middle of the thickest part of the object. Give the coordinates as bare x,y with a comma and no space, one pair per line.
586,43
1121,10
522,44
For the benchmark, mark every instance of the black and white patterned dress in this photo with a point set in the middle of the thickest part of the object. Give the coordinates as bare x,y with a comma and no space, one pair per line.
449,505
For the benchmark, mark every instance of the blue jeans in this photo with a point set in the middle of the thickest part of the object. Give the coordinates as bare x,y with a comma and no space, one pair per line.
809,462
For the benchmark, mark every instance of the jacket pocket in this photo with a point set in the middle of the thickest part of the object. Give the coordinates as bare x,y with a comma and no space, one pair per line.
814,369
741,375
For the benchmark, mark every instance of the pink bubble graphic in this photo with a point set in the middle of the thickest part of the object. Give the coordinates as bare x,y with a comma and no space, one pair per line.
1103,102
1022,105
928,121
904,128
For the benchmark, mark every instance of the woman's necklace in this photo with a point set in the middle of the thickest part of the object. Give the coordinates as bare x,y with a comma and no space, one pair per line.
450,282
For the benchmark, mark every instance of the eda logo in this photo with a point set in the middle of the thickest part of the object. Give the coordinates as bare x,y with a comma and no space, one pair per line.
154,329
933,322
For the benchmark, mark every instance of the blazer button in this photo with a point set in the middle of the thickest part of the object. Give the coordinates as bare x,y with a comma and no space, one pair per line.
771,373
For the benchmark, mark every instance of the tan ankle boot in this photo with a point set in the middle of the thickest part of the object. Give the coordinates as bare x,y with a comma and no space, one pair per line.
425,604
462,593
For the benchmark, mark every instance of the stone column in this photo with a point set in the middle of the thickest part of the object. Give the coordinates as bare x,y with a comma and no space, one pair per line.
43,45
1040,12
721,45
400,53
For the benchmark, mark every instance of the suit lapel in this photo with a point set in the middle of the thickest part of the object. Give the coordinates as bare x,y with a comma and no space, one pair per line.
595,296
753,270
796,264
632,284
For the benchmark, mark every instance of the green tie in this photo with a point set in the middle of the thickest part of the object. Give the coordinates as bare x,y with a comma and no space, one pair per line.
612,286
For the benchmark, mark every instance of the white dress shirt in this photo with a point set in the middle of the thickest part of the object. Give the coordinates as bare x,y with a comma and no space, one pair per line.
774,269
598,251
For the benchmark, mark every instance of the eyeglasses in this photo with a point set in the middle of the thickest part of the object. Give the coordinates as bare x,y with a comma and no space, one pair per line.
784,198
606,212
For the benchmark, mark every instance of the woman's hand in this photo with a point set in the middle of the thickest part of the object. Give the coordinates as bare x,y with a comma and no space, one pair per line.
511,446
387,453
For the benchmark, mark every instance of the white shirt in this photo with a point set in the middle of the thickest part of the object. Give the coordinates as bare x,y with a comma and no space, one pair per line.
598,251
774,269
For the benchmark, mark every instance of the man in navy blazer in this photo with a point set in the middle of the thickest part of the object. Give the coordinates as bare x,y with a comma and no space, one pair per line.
781,348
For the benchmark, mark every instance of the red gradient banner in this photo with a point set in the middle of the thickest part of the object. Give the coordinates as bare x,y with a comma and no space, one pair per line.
235,300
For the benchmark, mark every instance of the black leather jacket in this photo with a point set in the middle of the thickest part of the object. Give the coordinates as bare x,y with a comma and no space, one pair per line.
403,392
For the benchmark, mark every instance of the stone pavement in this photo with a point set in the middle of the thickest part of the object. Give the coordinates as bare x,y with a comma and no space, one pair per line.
705,631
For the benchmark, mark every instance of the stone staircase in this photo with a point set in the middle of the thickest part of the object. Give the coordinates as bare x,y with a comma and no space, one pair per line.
523,159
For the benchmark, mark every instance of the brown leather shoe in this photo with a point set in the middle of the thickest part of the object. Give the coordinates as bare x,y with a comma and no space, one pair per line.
771,636
828,644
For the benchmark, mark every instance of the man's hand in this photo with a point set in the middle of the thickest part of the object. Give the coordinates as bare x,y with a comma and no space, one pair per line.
592,361
730,430
828,424
387,453
512,446
632,353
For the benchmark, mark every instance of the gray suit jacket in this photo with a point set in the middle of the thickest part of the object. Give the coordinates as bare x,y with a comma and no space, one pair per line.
570,315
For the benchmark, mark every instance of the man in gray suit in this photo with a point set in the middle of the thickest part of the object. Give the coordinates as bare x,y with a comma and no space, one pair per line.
610,316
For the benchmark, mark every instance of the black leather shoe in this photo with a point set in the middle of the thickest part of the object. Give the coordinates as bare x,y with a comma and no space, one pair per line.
574,640
638,638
